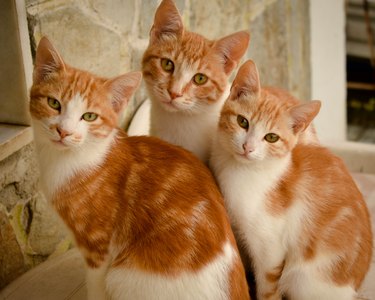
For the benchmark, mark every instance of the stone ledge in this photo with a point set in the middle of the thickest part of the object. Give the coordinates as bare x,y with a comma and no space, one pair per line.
13,138
358,157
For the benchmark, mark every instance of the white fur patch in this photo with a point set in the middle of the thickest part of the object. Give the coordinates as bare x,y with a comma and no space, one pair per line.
59,163
209,283
192,132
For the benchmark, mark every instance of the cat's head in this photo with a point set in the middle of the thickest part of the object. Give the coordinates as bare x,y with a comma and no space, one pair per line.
256,125
184,71
70,107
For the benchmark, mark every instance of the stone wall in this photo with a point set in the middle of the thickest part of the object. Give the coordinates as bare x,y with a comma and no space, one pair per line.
29,230
108,38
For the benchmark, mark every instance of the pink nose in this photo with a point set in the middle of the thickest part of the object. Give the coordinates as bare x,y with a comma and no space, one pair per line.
174,95
248,148
63,133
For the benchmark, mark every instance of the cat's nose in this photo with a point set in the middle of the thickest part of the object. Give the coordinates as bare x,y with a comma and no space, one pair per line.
247,148
63,133
174,94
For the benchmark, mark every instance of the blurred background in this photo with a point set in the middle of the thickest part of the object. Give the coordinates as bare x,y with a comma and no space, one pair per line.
317,49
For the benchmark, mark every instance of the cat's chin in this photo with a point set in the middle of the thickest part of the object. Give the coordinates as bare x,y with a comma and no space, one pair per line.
243,158
61,145
169,106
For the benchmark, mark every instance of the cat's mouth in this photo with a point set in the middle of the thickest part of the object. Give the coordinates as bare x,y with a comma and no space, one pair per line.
244,156
170,105
59,143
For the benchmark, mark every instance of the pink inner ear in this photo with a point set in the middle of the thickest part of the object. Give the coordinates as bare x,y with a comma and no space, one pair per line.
231,48
122,88
246,81
47,60
303,114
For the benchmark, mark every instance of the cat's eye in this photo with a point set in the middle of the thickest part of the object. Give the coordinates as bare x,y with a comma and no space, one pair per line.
89,116
167,65
53,103
271,137
243,122
200,78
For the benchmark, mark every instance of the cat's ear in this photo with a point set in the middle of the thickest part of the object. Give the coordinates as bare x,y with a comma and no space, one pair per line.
231,49
246,82
47,61
121,89
303,114
167,22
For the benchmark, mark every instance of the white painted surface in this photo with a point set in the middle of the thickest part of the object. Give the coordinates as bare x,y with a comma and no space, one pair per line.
328,64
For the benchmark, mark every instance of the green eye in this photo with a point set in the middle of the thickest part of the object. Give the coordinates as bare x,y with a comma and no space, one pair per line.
243,122
89,117
200,78
53,103
271,137
167,65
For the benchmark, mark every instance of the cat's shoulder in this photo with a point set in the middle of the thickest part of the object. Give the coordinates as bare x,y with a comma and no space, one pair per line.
317,157
155,149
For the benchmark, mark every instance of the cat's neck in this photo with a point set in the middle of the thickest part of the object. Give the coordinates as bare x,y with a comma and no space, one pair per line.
193,132
251,179
59,166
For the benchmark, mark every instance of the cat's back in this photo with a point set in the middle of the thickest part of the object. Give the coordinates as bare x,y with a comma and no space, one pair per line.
337,213
174,217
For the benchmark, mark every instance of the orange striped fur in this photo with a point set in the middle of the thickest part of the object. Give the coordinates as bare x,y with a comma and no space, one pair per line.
180,105
147,216
297,212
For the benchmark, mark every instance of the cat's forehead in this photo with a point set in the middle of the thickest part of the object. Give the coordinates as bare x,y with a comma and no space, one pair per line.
265,109
189,48
87,86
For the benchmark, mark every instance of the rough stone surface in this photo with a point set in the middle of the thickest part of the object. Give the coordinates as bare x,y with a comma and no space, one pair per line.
118,14
28,231
86,42
268,46
11,256
46,230
146,18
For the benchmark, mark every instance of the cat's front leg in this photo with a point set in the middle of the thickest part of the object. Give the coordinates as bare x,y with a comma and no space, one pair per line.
268,265
95,282
268,283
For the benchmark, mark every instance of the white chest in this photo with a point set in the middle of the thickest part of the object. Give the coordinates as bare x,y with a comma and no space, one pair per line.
210,282
245,189
192,132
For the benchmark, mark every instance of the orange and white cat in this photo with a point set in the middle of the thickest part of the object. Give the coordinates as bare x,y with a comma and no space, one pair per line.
146,215
186,76
294,206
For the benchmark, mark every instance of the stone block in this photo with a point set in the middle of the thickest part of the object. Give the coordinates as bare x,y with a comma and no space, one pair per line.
81,40
118,13
11,257
18,177
146,17
268,45
8,196
206,16
46,228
